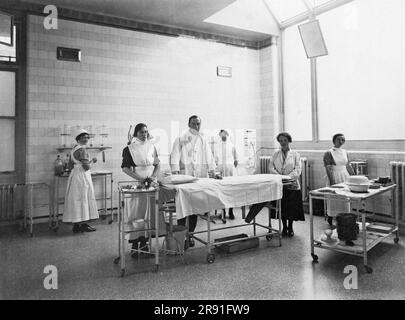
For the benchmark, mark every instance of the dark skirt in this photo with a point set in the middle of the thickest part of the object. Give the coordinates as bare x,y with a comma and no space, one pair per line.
291,207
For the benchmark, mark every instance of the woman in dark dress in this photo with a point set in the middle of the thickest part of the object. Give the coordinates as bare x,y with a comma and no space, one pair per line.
285,162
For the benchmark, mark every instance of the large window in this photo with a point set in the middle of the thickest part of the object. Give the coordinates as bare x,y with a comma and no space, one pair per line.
297,87
12,97
361,83
7,120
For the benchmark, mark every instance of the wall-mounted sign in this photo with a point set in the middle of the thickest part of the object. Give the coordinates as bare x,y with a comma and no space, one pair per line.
223,71
68,54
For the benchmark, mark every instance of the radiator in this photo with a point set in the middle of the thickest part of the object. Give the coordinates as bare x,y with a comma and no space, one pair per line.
10,201
398,177
264,166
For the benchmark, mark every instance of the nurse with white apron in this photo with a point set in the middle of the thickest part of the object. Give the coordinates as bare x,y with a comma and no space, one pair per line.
140,161
338,170
80,202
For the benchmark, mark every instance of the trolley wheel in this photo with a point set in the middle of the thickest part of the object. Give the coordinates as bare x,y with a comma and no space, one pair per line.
122,274
110,222
269,237
314,257
368,269
117,260
55,229
396,240
210,258
223,221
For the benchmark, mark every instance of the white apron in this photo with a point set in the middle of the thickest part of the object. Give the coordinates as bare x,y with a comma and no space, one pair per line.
80,202
143,155
225,157
340,175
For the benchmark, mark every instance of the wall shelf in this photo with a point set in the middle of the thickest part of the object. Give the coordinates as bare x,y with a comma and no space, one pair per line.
101,148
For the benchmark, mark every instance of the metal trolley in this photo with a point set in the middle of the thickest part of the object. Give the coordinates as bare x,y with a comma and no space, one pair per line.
128,190
210,244
369,238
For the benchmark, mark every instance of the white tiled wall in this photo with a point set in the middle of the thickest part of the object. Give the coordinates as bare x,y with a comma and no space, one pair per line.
127,77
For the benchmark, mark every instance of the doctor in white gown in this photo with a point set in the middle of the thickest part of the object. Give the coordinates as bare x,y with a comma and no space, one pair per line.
192,155
226,159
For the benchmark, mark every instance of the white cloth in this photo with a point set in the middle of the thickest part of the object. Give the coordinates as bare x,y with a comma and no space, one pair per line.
225,155
191,155
144,155
287,166
207,195
80,202
340,174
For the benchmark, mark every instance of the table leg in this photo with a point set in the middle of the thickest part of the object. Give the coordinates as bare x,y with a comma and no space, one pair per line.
156,230
278,205
395,213
122,242
105,195
111,198
57,202
364,232
311,229
31,188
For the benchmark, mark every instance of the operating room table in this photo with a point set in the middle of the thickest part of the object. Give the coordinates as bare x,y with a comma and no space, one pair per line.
207,195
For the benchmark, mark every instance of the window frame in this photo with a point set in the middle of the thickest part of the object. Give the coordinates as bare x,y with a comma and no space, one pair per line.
397,145
20,69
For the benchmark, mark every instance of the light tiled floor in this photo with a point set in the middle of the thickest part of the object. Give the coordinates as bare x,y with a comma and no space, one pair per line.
86,269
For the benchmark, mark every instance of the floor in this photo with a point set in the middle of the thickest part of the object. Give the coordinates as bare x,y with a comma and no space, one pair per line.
86,270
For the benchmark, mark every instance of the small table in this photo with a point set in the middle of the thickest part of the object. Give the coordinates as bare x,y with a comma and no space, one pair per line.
368,238
124,192
57,201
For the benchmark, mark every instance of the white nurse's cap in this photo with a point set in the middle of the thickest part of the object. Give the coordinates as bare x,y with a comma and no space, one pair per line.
79,132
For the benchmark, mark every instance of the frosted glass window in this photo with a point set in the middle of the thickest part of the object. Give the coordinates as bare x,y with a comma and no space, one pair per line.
7,145
297,87
7,94
8,53
361,83
285,10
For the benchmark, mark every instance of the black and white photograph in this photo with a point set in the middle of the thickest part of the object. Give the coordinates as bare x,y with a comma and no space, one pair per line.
202,155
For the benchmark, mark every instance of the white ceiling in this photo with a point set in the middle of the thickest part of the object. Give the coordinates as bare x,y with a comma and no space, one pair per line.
185,14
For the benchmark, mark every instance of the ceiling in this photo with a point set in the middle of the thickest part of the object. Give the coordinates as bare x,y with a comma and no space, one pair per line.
185,14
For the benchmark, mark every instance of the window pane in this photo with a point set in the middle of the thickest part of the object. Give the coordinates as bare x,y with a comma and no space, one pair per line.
8,53
7,93
7,144
285,10
297,87
361,83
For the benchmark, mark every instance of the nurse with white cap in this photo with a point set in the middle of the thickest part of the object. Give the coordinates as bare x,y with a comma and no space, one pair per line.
80,202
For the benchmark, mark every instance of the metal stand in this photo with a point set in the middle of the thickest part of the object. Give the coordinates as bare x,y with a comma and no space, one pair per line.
369,239
123,194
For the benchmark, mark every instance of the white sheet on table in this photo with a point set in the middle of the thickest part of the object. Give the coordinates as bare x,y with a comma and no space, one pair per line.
208,194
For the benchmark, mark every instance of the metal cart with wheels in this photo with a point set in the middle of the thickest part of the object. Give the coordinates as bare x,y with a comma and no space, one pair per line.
368,236
127,190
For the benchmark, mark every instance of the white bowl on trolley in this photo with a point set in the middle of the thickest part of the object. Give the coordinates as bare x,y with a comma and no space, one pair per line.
358,184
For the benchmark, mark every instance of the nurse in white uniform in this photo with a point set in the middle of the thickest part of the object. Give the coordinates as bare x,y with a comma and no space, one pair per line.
80,202
338,170
226,159
139,161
